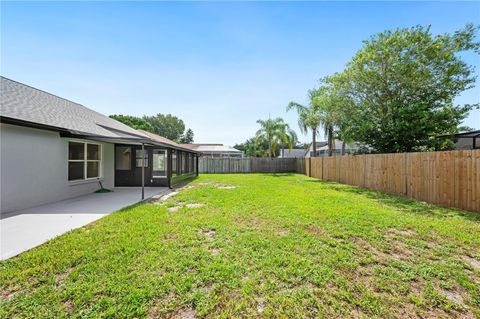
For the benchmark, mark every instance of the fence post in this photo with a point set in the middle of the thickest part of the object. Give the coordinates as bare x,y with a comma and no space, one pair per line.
405,174
309,167
364,168
323,164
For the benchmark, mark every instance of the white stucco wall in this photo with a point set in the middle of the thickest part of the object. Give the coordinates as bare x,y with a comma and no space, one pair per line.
34,168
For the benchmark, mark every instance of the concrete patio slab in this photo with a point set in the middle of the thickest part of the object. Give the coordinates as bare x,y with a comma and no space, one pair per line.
25,229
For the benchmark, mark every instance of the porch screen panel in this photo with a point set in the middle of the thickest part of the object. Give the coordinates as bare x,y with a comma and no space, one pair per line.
159,163
174,163
123,158
184,163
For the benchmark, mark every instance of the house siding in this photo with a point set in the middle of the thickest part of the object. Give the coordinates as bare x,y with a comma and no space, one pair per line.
34,168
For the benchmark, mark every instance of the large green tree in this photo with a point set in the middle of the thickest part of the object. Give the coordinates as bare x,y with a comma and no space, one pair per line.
137,123
168,126
402,85
187,138
254,147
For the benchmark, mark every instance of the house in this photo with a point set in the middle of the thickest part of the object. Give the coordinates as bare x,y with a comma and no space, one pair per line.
309,151
53,149
467,141
214,150
293,153
322,148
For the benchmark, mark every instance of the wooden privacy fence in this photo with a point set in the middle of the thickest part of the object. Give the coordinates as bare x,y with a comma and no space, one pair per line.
250,165
449,179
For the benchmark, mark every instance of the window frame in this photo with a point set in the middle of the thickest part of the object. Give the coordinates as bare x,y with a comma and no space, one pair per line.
85,161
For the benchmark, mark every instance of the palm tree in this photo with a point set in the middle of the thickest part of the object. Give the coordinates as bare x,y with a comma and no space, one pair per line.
322,111
309,117
275,131
326,103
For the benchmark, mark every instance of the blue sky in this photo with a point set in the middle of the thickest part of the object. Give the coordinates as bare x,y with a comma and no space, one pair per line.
219,66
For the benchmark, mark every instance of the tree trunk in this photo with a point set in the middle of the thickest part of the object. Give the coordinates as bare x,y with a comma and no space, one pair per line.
314,142
343,147
330,141
270,148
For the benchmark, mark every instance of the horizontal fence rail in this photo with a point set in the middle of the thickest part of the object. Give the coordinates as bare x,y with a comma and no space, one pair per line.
250,165
449,179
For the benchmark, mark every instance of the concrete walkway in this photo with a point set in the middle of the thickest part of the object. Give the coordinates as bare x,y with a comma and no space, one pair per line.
25,229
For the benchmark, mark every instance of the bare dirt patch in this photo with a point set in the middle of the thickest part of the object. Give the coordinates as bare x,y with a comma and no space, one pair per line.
156,310
283,232
215,251
174,208
194,205
226,187
260,304
219,186
473,262
61,277
314,230
208,233
400,250
68,306
397,249
8,294
187,313
401,232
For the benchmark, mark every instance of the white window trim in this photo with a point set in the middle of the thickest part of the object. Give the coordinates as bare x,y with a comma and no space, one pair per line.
86,161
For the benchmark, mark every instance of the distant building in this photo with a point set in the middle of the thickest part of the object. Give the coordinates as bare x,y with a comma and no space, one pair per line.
468,140
293,153
214,150
322,148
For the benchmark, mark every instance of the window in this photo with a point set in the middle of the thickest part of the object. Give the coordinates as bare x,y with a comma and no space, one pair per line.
123,158
84,161
159,163
138,158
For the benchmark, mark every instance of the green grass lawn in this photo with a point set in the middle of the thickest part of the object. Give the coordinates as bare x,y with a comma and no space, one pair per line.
280,246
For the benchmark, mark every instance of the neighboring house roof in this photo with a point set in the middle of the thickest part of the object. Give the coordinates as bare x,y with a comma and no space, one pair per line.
293,153
166,141
211,148
24,103
337,145
470,134
319,144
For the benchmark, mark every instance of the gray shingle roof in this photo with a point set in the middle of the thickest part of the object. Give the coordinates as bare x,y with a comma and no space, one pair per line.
22,102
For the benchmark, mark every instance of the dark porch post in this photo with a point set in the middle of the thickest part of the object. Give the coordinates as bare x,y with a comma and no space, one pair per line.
169,168
197,163
143,171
